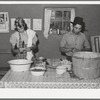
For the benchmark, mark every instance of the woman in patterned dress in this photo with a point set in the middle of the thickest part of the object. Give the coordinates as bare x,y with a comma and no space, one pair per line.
23,40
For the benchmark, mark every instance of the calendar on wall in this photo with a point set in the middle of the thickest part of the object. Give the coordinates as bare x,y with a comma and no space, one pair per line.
4,22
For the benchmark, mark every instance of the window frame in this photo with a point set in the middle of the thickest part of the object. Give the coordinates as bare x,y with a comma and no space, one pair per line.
72,10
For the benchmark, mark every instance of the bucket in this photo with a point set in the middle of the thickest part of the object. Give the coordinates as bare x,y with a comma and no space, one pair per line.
86,64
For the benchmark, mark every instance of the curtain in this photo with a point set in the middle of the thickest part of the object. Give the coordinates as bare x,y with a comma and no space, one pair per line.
47,22
72,17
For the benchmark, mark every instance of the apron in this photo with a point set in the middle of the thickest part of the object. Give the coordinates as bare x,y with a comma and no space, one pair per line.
21,45
26,55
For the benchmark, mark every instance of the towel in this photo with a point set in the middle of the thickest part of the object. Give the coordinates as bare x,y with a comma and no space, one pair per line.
30,34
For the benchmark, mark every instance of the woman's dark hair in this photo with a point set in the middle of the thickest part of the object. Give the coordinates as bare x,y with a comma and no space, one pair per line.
83,26
20,22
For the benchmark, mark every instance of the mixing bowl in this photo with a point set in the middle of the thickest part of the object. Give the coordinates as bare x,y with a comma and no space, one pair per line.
20,65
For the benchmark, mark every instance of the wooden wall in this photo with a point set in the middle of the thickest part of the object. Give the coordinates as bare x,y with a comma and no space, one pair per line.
47,47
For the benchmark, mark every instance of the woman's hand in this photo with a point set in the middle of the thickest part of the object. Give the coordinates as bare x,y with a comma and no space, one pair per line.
75,50
28,49
22,49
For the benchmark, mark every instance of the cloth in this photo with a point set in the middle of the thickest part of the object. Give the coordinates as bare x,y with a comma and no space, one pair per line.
29,38
76,41
47,23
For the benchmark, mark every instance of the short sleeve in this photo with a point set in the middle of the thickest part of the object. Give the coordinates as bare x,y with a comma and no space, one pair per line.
86,42
13,39
34,40
63,41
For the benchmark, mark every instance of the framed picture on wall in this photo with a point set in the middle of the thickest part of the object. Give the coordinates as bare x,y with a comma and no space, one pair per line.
4,22
37,24
27,21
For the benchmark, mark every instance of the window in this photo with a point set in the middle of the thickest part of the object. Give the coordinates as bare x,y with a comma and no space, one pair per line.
57,20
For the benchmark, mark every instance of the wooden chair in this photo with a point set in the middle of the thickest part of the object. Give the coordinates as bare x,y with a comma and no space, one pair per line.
95,43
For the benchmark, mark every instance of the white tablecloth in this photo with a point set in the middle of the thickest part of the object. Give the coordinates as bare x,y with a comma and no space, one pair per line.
49,80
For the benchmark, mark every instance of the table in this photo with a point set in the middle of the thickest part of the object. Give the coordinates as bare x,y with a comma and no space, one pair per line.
49,80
